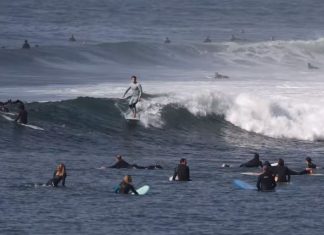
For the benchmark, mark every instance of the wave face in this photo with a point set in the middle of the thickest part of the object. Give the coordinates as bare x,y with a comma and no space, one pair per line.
206,112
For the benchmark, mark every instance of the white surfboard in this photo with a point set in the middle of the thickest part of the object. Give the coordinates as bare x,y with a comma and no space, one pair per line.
130,117
7,113
171,178
142,190
25,125
251,173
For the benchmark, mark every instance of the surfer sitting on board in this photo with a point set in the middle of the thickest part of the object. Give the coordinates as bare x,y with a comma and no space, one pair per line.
266,181
59,175
182,171
121,163
310,167
255,162
22,116
126,186
281,172
136,96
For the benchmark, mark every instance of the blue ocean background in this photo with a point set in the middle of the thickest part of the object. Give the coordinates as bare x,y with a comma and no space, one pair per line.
271,104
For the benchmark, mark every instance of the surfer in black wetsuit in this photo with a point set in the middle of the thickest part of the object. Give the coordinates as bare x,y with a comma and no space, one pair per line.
121,163
58,176
72,38
22,116
255,162
125,187
281,172
309,168
266,181
182,173
167,40
26,45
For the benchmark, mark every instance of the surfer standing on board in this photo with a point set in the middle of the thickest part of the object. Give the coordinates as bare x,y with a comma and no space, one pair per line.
136,96
22,116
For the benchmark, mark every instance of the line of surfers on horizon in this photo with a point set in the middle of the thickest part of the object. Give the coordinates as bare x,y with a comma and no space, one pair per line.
266,182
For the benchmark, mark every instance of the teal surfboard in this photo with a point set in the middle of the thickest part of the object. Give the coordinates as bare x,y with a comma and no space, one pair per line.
240,184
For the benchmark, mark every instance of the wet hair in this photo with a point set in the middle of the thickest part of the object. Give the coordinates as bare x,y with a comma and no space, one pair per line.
134,77
308,159
183,160
267,163
256,155
60,169
128,179
281,162
265,168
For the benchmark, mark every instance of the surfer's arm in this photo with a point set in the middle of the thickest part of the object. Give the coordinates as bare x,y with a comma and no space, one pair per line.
141,91
63,180
259,183
126,91
175,173
133,189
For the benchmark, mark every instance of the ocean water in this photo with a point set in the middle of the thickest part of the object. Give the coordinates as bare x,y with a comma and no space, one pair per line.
271,104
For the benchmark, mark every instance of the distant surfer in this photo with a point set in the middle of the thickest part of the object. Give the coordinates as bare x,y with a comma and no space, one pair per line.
167,40
255,162
233,38
182,173
26,45
121,163
266,181
22,116
125,187
136,94
220,76
58,176
310,66
207,40
72,38
309,168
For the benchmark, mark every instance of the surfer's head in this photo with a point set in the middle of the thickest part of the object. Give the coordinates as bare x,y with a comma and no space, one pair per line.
128,179
134,79
281,162
118,157
265,168
256,156
308,159
266,163
183,161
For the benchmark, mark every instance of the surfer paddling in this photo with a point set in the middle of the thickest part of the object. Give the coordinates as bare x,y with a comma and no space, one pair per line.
136,96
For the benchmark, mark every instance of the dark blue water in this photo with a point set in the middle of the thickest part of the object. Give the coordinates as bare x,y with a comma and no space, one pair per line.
271,104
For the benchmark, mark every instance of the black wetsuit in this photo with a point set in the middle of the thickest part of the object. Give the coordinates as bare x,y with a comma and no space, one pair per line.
182,171
266,182
26,45
124,164
125,188
22,117
56,180
252,163
283,173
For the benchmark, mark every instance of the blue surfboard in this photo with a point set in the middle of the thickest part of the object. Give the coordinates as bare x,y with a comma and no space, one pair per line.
240,184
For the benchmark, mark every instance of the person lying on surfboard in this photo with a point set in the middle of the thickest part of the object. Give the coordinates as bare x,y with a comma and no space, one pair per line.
266,181
125,187
121,163
136,94
255,162
58,176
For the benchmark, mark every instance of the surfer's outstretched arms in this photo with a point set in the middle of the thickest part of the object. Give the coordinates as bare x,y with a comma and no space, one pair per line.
126,186
182,171
266,181
136,96
58,176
